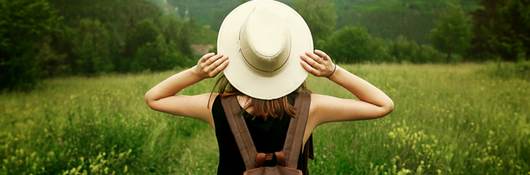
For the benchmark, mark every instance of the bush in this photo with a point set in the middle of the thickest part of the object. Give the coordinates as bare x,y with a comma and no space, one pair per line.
452,33
355,44
406,50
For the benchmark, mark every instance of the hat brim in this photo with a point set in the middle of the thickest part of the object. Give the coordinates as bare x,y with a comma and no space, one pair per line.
257,84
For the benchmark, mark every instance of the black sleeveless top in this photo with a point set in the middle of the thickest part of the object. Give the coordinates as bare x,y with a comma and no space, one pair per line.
268,136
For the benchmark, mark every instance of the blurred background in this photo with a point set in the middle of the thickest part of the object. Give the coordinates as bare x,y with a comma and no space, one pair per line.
48,38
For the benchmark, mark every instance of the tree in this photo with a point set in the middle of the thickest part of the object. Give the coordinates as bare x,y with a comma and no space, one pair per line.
452,32
501,29
92,48
23,26
355,44
320,15
178,32
156,55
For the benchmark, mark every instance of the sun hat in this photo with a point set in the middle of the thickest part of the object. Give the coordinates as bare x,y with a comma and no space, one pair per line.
263,40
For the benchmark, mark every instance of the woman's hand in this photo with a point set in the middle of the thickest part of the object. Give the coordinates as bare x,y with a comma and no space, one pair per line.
319,64
210,65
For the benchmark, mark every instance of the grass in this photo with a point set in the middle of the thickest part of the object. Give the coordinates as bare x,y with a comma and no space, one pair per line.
449,119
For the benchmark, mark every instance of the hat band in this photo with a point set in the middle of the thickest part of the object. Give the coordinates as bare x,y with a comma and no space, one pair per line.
265,71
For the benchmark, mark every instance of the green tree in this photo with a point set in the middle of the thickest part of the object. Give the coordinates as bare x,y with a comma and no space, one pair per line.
24,24
355,44
501,30
156,55
452,32
92,48
320,15
178,32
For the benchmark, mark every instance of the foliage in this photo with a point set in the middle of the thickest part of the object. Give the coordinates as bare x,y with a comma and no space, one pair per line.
24,26
501,30
405,50
155,55
48,38
452,32
320,15
383,18
355,44
56,37
101,125
91,48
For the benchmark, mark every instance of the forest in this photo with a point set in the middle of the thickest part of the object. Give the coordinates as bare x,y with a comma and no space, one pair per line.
50,38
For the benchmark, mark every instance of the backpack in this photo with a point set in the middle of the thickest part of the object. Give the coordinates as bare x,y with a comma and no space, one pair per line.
287,158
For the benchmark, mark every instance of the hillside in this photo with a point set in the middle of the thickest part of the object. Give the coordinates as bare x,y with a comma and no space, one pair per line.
384,18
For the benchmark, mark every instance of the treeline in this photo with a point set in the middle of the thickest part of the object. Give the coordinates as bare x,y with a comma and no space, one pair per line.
496,30
47,38
44,38
387,19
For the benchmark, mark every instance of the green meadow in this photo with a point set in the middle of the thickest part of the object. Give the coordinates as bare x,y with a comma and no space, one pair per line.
448,119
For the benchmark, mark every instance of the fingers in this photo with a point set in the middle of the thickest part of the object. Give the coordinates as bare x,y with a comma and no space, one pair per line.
312,62
322,54
212,59
219,68
217,62
311,66
308,68
211,64
206,56
318,63
314,57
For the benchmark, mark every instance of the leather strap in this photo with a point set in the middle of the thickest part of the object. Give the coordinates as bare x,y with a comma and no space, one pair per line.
293,141
295,134
240,131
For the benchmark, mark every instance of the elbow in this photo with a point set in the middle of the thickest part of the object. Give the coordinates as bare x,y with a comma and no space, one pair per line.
388,108
149,101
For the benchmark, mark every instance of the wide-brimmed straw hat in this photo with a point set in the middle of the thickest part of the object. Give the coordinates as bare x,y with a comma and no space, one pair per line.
264,40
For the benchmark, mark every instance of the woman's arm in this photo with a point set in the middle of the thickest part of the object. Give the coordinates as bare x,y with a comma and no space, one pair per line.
372,103
162,97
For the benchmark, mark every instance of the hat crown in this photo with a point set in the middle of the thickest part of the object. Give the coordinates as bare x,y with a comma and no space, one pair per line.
265,40
262,39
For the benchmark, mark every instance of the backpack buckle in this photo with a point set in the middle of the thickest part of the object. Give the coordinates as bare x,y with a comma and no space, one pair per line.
270,159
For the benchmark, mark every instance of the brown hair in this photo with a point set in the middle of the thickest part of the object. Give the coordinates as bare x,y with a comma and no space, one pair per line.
262,108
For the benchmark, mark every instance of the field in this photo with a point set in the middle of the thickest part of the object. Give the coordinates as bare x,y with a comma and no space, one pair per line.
449,119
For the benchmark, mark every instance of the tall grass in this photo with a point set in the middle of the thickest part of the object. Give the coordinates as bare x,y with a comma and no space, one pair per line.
449,119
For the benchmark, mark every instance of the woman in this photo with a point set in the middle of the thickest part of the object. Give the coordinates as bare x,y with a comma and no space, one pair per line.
267,70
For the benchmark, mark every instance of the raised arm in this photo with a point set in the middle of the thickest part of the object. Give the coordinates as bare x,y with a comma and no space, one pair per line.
162,97
372,103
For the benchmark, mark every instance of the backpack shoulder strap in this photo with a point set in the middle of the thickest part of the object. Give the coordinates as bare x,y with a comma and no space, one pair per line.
295,133
239,130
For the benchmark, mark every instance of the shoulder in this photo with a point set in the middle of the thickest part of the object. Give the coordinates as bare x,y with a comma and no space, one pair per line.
212,99
318,99
209,102
316,102
325,106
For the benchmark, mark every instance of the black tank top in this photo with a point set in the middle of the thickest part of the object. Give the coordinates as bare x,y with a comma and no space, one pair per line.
268,136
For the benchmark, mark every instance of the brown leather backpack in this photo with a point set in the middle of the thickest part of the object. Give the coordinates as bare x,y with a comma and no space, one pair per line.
287,158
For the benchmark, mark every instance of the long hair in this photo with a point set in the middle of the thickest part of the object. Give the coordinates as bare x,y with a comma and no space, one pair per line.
262,108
